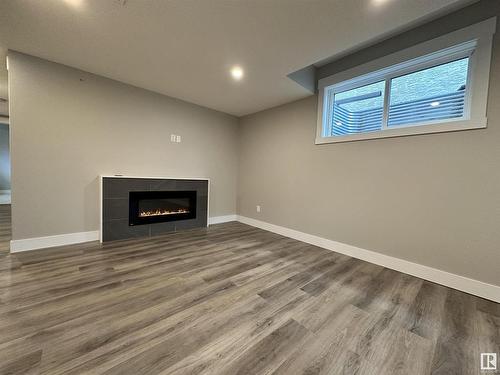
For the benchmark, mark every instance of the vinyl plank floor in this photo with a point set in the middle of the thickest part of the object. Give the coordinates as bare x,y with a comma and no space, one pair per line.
229,299
5,233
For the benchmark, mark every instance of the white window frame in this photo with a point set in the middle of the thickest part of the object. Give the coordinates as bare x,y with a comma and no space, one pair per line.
474,42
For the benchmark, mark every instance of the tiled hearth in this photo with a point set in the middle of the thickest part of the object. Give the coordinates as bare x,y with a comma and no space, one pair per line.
118,208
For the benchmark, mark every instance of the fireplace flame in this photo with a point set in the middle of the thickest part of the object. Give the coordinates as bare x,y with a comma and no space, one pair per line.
159,212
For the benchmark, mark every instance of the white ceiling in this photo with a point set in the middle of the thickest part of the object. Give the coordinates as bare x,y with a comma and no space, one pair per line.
185,48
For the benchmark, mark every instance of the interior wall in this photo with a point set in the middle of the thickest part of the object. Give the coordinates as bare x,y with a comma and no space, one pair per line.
68,127
429,199
4,157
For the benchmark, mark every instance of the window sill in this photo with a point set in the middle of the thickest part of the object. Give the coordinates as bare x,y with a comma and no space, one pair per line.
451,126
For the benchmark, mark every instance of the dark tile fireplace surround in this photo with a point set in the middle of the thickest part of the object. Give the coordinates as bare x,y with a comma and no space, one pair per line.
144,207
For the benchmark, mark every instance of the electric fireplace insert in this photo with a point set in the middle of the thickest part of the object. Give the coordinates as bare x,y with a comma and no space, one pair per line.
146,207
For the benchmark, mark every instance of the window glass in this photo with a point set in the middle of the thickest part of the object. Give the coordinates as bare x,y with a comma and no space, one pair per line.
358,110
429,95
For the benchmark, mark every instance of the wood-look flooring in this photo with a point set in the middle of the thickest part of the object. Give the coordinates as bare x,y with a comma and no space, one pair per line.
230,299
4,229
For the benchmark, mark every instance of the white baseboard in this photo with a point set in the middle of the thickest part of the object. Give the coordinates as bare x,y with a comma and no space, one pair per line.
222,219
52,241
465,284
74,238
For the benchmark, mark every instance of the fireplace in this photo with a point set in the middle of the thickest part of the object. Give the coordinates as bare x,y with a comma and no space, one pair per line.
147,207
134,207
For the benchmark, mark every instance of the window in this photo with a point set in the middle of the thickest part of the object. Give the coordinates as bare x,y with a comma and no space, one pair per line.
429,95
358,110
441,86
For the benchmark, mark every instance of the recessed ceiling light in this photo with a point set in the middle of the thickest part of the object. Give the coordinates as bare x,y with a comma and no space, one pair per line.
74,3
435,104
237,73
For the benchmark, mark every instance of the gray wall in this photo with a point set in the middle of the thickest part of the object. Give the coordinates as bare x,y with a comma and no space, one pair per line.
70,126
4,157
430,199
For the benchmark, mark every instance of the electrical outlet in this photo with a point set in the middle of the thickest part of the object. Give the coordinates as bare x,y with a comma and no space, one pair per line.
257,208
178,139
172,137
